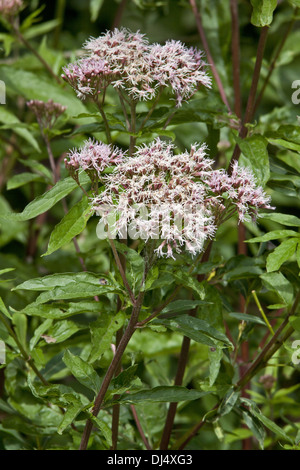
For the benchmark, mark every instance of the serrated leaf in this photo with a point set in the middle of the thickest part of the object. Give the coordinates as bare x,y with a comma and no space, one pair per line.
70,226
196,329
82,371
61,280
102,332
162,394
71,413
281,254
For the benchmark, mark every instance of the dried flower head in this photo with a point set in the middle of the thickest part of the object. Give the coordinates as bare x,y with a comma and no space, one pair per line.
176,198
10,8
128,62
46,113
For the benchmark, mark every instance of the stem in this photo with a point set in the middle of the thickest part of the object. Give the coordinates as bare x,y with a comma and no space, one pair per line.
262,312
106,125
124,110
139,427
269,350
132,127
119,14
250,109
116,408
37,55
149,114
235,50
208,54
112,368
273,63
183,359
182,363
122,272
24,354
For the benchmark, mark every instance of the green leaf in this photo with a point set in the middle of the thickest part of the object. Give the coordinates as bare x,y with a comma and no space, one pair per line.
255,156
281,254
215,356
272,426
228,402
47,200
46,283
276,282
262,14
284,219
3,309
11,120
82,371
102,332
172,394
255,426
104,428
71,225
73,291
71,413
40,330
125,381
183,305
29,84
22,179
135,264
274,235
95,7
247,317
196,329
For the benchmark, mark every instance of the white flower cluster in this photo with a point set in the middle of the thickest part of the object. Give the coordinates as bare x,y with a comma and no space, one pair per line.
178,199
128,62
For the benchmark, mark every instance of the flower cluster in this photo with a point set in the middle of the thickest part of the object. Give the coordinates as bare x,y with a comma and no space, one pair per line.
46,113
9,8
132,65
178,199
93,158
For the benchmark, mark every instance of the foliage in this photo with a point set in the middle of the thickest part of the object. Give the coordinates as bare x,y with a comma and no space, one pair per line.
200,352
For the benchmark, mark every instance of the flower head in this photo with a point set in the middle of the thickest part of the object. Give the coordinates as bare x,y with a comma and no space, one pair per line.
178,199
9,8
93,158
46,113
128,62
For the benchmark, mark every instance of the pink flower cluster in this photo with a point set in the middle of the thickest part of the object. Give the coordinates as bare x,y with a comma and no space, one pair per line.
9,8
47,112
128,62
178,199
93,158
